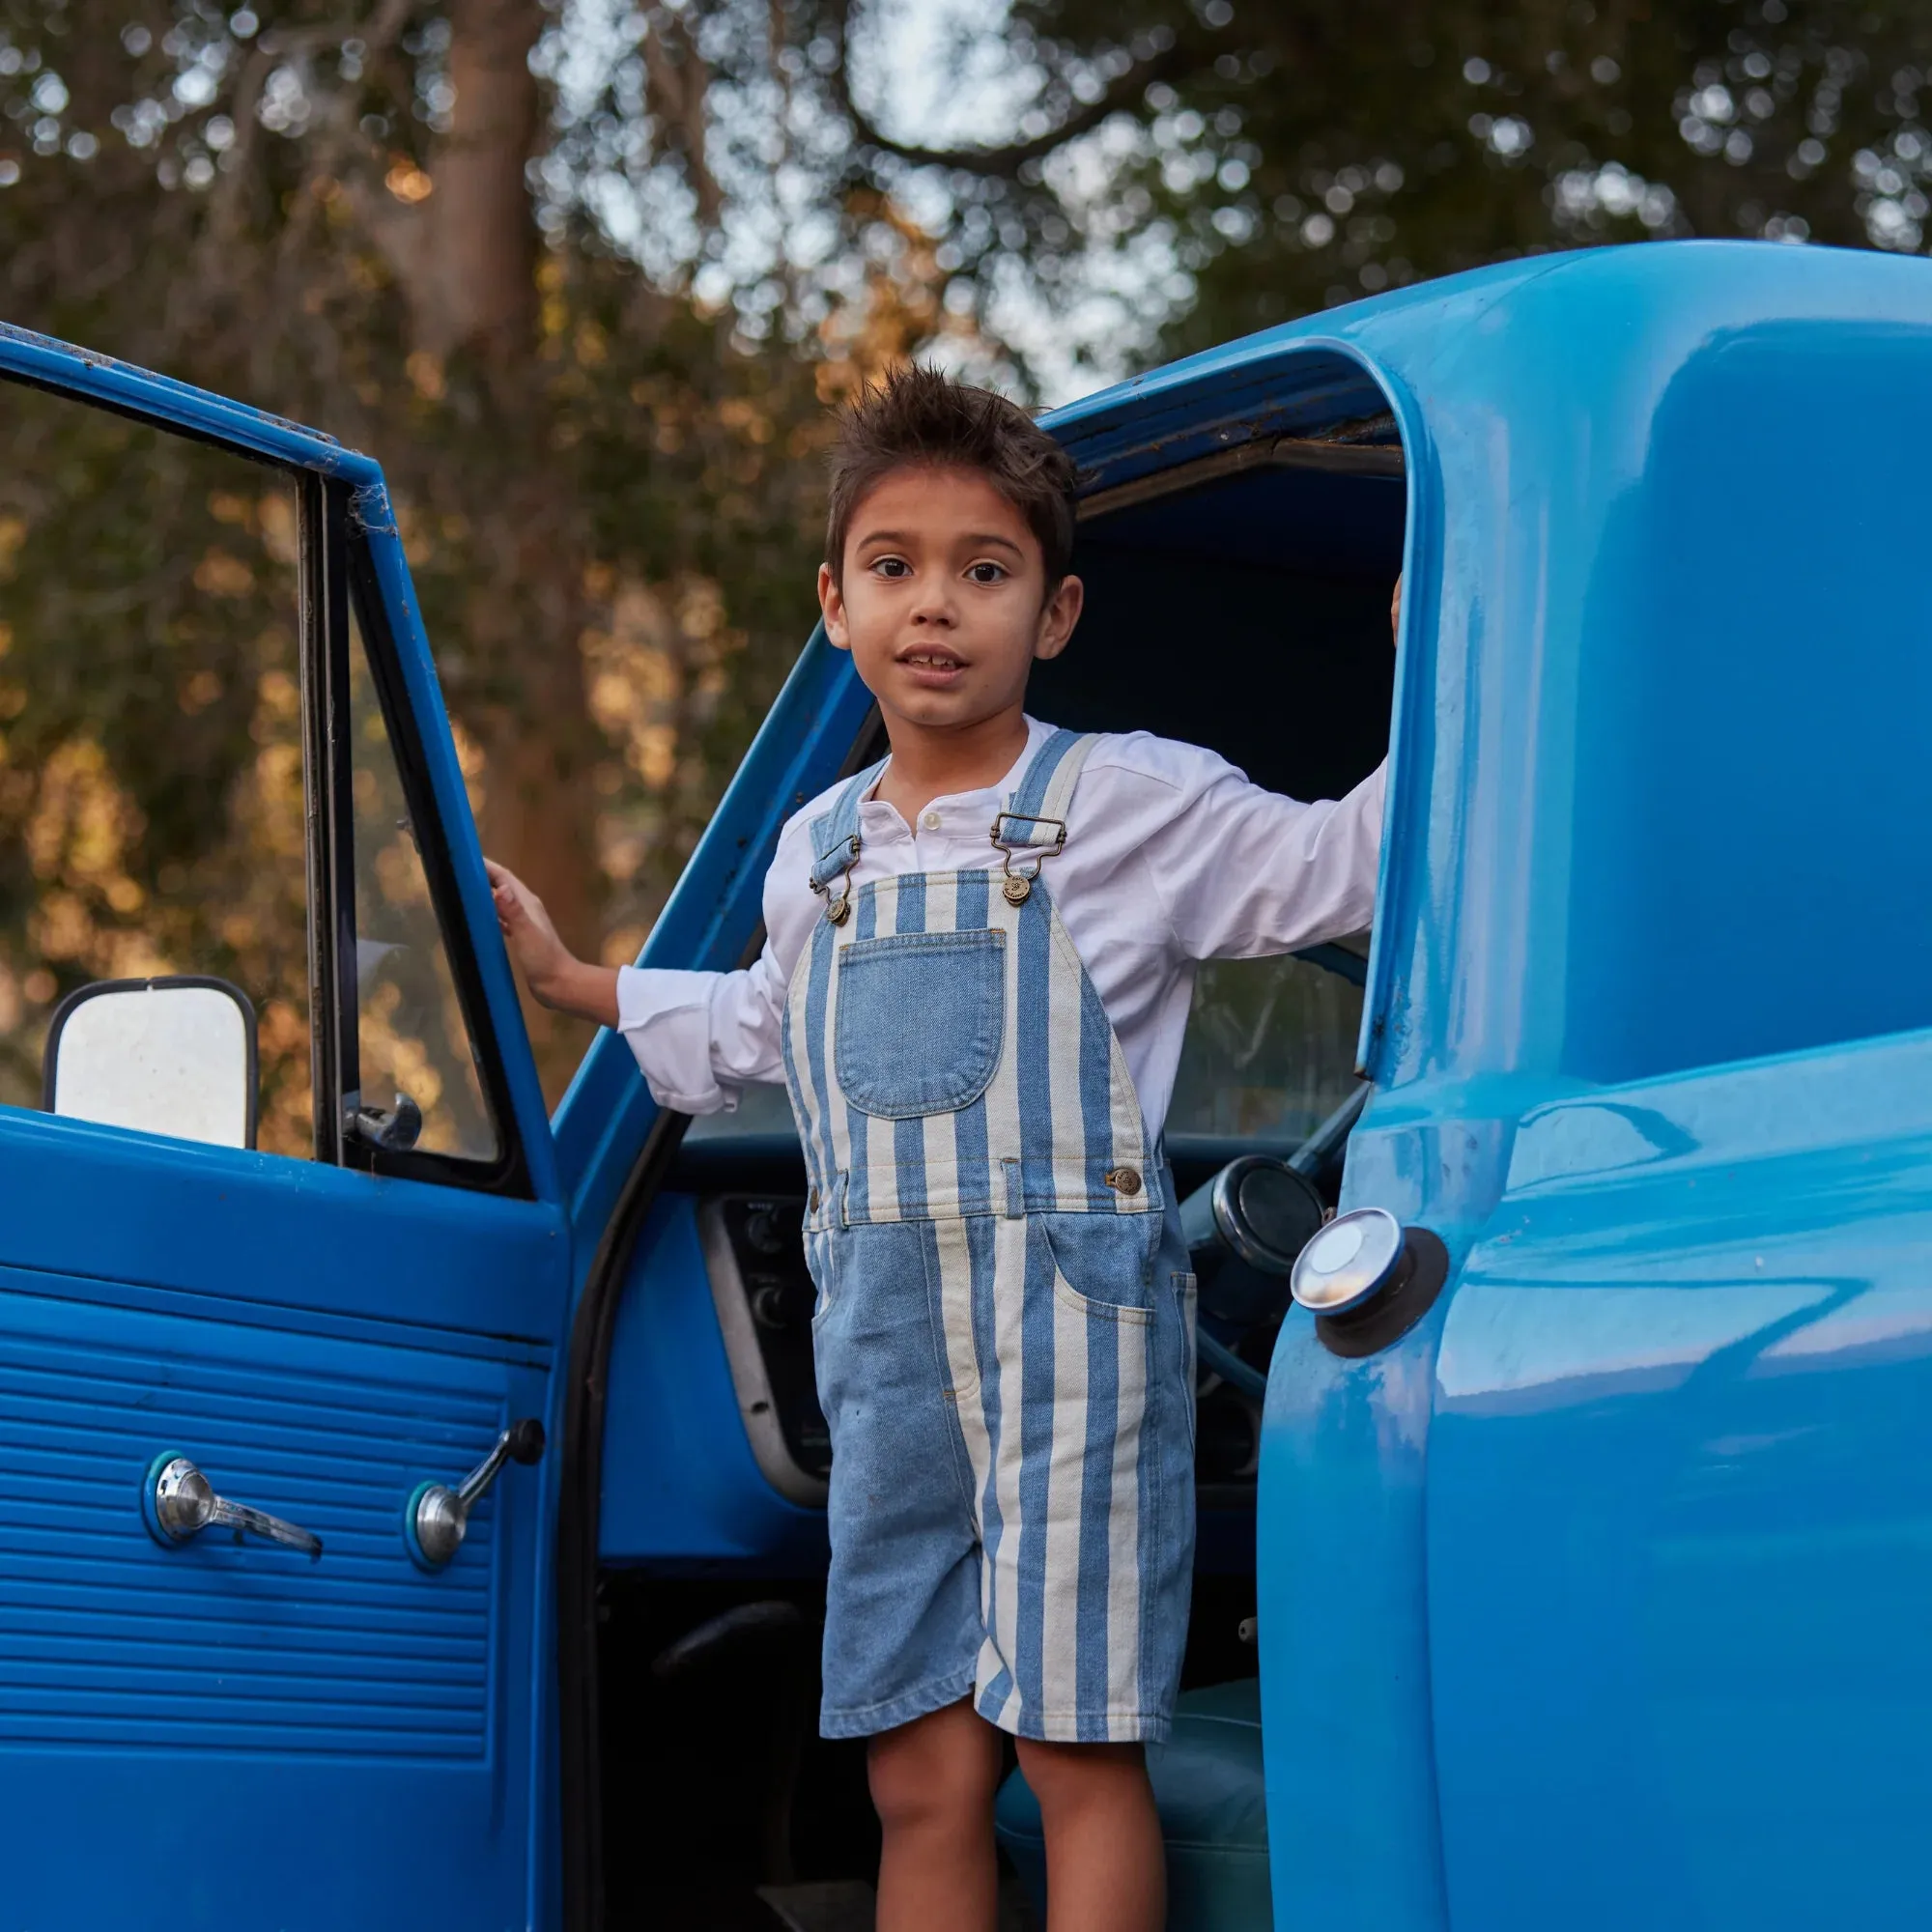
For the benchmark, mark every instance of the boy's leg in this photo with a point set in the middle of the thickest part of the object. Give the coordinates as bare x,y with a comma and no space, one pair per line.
1105,1867
933,1782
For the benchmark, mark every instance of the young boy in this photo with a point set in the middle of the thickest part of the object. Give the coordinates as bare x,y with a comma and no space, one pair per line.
979,1036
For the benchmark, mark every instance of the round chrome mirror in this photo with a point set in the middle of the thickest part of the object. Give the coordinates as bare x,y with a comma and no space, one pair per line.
1345,1263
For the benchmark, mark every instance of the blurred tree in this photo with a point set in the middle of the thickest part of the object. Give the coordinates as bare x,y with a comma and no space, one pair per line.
1267,160
1078,187
608,502
584,279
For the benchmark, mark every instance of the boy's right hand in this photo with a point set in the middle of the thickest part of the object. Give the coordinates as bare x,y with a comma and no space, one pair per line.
552,972
540,955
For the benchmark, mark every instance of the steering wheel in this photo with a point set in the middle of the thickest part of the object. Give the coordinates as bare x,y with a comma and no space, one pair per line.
1244,1229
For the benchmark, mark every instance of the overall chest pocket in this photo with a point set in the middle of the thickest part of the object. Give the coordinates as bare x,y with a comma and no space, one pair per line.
921,1019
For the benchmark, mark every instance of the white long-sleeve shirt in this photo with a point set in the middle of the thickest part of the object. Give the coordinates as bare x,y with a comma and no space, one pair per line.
1172,857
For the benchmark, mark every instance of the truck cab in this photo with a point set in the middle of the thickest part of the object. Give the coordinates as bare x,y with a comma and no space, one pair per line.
417,1512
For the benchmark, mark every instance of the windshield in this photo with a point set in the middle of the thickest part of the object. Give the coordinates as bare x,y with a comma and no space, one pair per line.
1271,1050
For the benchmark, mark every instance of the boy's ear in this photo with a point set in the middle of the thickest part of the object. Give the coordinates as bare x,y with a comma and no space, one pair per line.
1058,619
832,606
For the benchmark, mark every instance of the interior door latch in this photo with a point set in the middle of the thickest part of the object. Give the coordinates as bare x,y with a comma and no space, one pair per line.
395,1130
178,1502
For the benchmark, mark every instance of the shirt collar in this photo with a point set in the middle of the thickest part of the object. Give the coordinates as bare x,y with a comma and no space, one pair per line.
1037,735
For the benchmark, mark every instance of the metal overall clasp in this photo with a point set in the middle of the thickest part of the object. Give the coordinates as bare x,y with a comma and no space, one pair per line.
1017,885
838,909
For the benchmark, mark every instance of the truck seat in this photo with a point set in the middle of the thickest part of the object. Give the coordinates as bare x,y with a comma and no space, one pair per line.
1213,1814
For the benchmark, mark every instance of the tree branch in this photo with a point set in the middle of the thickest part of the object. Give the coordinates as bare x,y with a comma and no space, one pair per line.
375,34
275,46
1004,162
677,92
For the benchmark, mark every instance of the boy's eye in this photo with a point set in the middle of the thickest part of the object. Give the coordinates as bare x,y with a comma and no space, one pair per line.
890,566
986,573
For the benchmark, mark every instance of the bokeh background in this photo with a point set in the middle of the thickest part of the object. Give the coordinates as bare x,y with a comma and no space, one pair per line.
587,276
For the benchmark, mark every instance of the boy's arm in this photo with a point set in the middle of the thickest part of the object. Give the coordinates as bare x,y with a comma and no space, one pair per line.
697,1037
555,976
1243,872
701,1036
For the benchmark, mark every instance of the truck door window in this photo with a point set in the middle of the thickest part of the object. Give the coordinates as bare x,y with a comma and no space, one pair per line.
152,812
411,1037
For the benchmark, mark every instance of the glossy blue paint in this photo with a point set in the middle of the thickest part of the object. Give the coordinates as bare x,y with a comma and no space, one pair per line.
681,1489
122,385
293,1701
1680,1522
1662,743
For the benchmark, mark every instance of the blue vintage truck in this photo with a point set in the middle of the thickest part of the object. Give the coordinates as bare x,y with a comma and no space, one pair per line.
415,1516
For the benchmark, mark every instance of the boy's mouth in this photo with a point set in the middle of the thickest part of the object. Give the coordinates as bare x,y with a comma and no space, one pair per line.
932,664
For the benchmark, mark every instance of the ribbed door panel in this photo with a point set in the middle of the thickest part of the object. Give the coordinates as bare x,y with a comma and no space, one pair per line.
108,1639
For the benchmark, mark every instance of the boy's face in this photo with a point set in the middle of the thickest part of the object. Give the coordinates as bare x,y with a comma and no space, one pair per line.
943,602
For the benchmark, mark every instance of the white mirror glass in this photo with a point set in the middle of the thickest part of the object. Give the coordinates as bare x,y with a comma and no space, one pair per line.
163,1060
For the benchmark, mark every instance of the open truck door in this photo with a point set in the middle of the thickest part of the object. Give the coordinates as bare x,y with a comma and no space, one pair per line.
284,1259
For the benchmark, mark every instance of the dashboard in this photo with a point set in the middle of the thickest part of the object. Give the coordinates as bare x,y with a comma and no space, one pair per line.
754,1260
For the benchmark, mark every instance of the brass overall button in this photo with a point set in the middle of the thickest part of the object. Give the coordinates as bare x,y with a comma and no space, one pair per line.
1124,1181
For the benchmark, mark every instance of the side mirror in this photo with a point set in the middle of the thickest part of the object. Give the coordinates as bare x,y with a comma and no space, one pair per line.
172,1056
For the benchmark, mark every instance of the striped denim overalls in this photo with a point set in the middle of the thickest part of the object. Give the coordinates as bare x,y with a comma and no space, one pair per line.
1004,1328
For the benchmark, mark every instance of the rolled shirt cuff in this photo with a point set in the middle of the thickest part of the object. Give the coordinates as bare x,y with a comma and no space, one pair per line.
666,1016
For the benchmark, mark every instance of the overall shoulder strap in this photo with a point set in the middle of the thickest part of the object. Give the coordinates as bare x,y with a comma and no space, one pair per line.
835,837
1037,812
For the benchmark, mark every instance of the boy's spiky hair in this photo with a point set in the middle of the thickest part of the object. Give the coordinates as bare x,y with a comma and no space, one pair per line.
921,416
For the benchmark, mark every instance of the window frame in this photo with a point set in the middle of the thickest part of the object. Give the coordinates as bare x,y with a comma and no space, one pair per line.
346,582
308,591
333,568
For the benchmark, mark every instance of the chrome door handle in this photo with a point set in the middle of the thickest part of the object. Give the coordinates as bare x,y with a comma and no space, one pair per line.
437,1517
178,1502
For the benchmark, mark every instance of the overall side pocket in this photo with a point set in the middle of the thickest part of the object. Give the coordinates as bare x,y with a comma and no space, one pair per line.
1100,1265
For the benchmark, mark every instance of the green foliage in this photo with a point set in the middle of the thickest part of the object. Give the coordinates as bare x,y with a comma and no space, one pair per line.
150,808
594,362
1355,149
218,197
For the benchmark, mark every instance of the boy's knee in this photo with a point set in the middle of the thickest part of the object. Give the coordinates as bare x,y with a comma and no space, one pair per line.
1067,1778
935,1770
